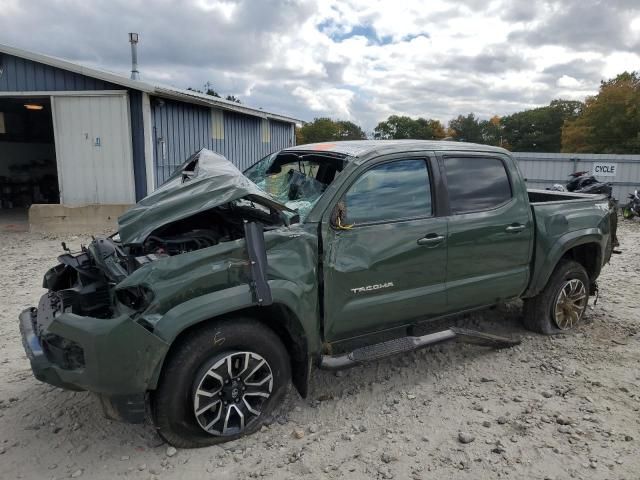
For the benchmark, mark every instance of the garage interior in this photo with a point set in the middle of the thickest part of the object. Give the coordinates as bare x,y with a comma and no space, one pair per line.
28,172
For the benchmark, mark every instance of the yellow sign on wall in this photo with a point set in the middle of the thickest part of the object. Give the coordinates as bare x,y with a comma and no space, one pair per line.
265,127
217,124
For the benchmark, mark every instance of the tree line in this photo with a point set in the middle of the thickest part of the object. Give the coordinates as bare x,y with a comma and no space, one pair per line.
208,90
608,122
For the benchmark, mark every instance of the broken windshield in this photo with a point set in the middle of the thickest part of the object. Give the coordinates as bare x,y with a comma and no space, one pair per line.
297,180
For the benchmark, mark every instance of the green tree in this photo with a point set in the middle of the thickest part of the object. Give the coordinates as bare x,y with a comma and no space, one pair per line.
492,132
208,90
327,130
349,131
400,127
610,120
466,128
539,129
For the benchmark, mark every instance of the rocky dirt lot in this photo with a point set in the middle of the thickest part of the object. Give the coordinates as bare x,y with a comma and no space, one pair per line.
561,407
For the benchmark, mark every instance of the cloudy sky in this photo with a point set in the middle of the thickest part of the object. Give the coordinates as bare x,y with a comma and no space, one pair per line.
360,60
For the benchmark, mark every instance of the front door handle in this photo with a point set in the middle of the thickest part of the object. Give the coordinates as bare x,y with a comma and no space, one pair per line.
431,240
515,228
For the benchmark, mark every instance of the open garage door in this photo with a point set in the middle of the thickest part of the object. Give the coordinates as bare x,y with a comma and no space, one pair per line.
93,146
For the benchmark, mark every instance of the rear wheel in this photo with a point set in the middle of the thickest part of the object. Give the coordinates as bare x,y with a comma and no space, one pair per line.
220,382
560,306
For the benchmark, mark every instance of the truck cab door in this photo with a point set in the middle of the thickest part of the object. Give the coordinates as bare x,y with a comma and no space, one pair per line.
385,250
490,229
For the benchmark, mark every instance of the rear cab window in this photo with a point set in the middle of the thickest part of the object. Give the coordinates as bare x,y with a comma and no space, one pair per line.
476,184
391,191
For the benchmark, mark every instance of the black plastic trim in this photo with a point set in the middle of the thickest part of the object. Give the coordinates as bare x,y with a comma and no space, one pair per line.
124,408
256,249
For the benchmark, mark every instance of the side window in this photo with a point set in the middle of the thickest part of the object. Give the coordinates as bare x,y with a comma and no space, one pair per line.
390,191
476,183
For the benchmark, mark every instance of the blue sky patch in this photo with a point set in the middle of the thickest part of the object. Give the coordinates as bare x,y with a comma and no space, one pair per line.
333,31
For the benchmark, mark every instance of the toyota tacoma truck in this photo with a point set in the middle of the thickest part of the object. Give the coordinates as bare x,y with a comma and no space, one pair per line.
221,288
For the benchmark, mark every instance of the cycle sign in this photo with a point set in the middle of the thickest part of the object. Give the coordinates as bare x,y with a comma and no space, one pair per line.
604,169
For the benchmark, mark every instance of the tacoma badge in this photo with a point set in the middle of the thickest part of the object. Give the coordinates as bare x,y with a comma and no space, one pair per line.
371,288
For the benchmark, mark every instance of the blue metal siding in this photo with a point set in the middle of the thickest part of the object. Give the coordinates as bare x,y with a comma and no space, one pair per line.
185,128
21,75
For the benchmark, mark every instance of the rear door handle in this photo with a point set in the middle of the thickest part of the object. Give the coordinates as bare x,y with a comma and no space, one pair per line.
515,228
431,240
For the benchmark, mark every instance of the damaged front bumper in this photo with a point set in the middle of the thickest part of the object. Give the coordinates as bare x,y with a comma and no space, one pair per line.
116,358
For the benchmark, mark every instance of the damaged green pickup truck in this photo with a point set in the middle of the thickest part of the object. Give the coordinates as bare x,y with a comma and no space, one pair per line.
221,288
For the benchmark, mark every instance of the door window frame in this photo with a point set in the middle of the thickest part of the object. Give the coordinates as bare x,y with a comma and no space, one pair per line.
433,173
443,173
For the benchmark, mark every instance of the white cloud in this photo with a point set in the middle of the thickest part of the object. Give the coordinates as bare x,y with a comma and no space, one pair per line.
354,59
325,100
566,81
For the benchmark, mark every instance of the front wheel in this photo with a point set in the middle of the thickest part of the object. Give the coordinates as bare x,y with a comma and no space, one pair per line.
560,306
220,382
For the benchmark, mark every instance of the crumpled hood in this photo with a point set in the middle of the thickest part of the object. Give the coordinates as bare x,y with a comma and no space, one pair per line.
204,181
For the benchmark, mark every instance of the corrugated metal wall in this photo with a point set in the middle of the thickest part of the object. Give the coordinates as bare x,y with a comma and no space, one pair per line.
542,170
20,75
181,129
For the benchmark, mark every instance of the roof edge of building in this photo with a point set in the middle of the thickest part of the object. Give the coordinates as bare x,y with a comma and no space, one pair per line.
157,90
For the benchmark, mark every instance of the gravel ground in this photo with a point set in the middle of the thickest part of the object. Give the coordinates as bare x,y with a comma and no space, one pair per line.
561,407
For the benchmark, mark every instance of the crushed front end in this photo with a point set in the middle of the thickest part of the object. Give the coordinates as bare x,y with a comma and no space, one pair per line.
201,232
93,329
80,338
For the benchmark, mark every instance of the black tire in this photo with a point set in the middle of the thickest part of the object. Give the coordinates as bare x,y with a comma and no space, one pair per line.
173,402
539,310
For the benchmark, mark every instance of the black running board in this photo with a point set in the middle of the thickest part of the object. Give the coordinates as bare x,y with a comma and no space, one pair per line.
408,344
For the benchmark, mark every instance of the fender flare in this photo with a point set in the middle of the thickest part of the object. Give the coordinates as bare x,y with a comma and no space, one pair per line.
543,269
228,301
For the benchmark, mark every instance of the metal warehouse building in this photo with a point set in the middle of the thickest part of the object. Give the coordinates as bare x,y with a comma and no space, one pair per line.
74,135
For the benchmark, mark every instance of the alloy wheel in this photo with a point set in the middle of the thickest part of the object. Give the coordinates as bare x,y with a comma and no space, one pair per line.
230,395
570,304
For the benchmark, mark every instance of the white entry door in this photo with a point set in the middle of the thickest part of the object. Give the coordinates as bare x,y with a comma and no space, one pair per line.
93,149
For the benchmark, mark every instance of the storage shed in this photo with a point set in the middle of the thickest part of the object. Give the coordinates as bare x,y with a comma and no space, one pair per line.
74,135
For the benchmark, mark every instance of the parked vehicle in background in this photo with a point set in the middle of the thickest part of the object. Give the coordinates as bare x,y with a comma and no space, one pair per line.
584,182
222,288
632,209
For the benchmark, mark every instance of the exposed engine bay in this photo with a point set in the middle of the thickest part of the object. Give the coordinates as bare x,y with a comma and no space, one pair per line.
84,280
206,229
